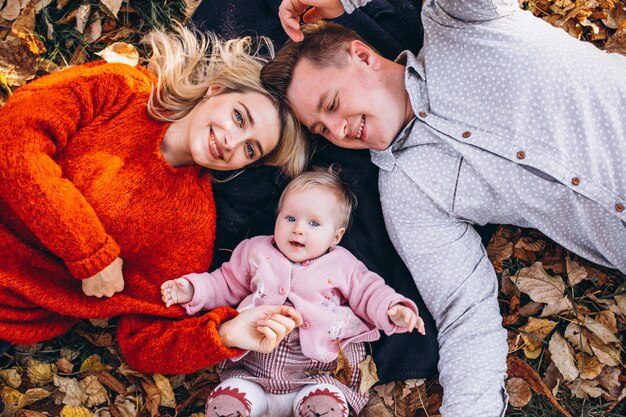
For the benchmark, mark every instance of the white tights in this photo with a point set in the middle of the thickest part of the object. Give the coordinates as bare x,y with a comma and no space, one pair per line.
238,396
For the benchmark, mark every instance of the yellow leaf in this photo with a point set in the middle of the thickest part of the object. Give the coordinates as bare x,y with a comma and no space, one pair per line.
94,364
31,396
11,397
40,373
121,52
589,366
532,353
535,332
167,394
11,377
369,374
69,411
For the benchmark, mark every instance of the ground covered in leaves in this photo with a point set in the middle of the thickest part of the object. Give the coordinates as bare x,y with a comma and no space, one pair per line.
565,317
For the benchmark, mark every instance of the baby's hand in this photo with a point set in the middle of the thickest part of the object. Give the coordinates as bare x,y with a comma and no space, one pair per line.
176,291
403,316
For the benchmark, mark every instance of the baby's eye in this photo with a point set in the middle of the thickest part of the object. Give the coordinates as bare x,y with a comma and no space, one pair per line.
290,219
313,223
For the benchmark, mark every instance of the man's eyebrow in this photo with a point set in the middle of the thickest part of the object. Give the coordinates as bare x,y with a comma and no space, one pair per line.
320,103
247,113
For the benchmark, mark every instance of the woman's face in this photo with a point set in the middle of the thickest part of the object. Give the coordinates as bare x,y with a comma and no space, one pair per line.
231,130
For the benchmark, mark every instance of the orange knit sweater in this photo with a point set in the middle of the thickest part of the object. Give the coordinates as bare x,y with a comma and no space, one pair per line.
82,181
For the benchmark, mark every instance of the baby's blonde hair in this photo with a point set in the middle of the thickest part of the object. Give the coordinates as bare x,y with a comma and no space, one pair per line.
327,178
187,62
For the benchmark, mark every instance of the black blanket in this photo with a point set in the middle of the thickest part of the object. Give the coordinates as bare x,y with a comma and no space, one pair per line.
246,204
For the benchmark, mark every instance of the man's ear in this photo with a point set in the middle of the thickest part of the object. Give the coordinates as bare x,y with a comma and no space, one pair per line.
363,53
338,235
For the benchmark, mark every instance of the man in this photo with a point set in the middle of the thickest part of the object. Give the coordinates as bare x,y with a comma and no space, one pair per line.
501,118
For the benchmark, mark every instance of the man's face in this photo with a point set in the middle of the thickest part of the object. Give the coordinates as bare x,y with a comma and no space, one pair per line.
359,106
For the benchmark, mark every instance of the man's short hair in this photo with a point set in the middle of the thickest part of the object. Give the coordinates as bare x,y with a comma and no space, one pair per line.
325,44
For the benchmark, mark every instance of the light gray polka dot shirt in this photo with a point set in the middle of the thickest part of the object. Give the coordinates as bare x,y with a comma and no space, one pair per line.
517,123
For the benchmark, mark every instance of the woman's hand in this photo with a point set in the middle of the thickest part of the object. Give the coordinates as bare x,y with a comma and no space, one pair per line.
290,11
260,329
106,282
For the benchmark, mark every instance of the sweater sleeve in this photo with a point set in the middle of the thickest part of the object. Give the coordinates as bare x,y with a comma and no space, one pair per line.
227,285
174,346
370,298
39,121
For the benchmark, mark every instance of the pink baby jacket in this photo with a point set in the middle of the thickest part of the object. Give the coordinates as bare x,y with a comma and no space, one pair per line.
339,298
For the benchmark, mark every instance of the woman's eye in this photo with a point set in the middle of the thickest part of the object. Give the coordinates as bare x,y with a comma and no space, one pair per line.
239,118
250,152
290,219
314,223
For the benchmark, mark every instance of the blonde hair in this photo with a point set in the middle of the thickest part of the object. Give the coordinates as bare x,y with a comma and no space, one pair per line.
327,178
187,62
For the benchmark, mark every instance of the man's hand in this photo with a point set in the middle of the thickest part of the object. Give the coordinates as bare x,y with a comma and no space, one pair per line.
404,317
290,11
260,329
176,291
106,282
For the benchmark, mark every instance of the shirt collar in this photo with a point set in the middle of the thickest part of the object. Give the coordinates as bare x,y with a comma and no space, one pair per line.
414,71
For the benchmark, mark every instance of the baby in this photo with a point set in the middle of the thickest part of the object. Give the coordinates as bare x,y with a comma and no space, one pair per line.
341,302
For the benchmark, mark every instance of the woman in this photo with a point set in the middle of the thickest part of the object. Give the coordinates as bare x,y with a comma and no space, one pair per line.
105,194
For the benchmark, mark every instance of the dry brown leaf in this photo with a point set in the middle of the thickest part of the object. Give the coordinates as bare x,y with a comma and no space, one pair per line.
535,332
530,309
112,5
152,397
516,367
99,338
93,30
605,334
507,286
40,5
94,391
343,370
620,300
40,373
585,389
11,10
410,398
93,364
165,388
11,377
530,244
74,393
607,319
519,392
70,411
65,366
609,379
126,406
30,413
540,286
376,408
575,334
589,366
385,391
369,374
112,383
563,357
99,323
575,272
607,354
82,16
499,248
18,64
121,52
551,309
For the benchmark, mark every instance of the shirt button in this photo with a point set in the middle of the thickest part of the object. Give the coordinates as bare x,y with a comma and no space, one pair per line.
575,181
305,325
520,154
282,291
619,207
467,134
422,114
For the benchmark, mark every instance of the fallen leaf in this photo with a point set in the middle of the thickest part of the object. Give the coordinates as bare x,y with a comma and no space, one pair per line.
93,30
94,391
575,334
31,396
65,366
93,364
605,334
563,357
70,411
40,373
112,5
605,353
620,300
607,319
82,16
530,309
609,379
369,374
152,398
40,5
589,366
11,377
100,323
535,332
575,272
126,406
585,389
30,413
385,391
540,286
551,309
343,370
165,388
75,394
112,383
11,10
519,392
120,52
529,244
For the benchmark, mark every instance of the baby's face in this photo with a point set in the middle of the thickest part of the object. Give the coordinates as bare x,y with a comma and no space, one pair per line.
308,224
